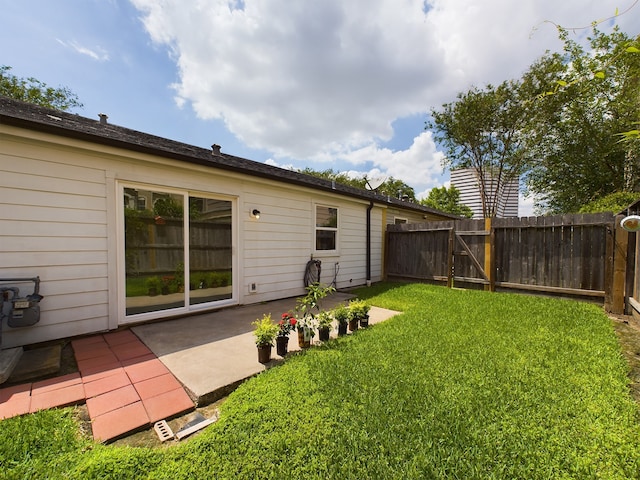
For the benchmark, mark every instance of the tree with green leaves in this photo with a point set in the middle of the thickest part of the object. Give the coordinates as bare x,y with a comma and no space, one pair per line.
395,188
392,187
614,202
481,130
447,200
581,101
34,91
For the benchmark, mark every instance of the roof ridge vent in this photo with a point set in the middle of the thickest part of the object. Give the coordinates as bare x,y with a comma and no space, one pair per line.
103,118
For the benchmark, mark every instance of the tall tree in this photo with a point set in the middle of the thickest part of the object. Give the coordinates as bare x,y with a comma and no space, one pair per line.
395,188
447,200
480,130
581,100
34,91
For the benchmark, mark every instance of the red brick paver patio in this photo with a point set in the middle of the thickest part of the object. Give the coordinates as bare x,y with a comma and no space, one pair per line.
123,383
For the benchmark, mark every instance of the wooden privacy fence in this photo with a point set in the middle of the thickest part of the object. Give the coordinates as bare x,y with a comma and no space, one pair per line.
562,255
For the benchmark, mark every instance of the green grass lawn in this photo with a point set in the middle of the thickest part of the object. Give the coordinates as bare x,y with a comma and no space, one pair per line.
463,384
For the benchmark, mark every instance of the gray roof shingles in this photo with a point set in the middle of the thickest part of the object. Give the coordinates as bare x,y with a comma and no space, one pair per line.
26,115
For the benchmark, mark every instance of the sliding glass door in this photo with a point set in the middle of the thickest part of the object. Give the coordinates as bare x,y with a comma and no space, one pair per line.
210,277
166,270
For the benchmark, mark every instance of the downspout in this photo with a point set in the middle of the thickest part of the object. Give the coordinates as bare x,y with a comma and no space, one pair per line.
369,208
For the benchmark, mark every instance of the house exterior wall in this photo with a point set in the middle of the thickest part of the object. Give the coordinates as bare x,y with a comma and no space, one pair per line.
278,246
395,215
54,224
60,219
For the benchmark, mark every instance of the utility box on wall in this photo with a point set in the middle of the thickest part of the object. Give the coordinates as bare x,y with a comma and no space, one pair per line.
20,311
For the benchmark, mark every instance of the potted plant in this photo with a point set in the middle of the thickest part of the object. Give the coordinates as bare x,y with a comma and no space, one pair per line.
264,333
308,307
306,331
364,314
352,316
324,325
341,315
285,325
359,311
167,280
153,285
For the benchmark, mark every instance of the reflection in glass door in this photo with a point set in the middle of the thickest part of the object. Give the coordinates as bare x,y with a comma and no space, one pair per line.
210,250
154,250
166,269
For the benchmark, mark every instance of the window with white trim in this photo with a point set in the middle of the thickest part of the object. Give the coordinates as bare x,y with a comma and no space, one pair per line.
326,228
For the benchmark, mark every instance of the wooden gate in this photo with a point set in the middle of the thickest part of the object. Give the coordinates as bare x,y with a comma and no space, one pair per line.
562,255
444,252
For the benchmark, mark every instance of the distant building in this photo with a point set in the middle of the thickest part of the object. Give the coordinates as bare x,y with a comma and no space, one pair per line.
467,182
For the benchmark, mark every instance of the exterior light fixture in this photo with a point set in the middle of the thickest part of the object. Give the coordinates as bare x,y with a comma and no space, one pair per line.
255,213
631,223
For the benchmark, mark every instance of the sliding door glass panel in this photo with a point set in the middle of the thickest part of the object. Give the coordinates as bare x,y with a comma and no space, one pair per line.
154,250
210,252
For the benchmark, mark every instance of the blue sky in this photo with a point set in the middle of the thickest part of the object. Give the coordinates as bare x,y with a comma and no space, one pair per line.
334,84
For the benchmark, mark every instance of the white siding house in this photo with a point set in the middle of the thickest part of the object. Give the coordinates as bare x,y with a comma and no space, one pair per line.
99,212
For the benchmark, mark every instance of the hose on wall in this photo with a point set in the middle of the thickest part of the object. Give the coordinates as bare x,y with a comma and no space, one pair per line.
312,272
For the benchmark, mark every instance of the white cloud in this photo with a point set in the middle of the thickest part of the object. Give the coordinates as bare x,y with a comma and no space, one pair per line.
495,40
525,206
300,79
97,53
420,164
425,193
324,81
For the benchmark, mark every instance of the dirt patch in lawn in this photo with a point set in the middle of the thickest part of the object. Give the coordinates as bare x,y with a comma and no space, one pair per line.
628,330
148,437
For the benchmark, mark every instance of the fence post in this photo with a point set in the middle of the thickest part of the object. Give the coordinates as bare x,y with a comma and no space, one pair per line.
615,267
488,255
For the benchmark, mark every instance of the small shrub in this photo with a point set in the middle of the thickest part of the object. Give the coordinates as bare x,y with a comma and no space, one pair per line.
358,309
265,331
341,314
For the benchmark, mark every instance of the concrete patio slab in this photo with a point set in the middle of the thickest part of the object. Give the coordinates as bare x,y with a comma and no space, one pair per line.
128,386
210,354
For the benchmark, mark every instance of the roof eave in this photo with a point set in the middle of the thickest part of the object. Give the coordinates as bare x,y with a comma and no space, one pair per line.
200,156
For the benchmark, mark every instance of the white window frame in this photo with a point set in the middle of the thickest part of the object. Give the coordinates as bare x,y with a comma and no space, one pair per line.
316,228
